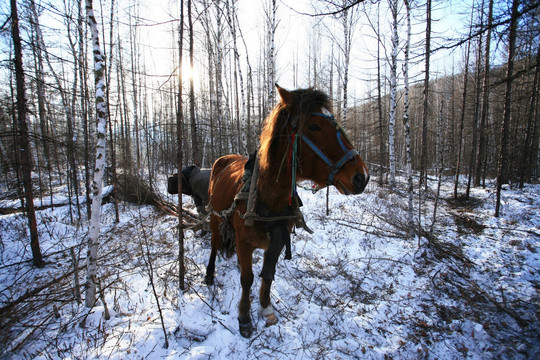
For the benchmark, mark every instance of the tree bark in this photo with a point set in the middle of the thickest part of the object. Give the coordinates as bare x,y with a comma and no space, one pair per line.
195,149
463,108
485,100
24,140
393,94
179,136
382,158
474,147
40,87
423,156
407,126
97,183
528,148
507,106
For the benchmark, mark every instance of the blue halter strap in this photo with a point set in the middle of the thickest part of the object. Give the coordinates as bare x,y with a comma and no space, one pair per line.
348,154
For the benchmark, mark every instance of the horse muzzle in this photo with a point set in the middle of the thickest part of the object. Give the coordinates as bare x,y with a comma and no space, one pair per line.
359,182
356,185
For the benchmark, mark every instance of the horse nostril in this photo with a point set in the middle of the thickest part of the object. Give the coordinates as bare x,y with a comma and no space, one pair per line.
360,182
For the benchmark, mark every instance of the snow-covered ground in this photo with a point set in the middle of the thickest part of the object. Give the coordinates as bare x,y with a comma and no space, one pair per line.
356,288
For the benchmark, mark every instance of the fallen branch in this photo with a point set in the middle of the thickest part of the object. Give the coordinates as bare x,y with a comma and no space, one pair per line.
485,295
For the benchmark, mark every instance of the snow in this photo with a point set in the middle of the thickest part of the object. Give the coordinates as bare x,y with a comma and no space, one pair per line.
356,288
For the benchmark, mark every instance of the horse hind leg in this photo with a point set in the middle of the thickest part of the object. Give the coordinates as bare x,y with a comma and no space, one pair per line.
216,242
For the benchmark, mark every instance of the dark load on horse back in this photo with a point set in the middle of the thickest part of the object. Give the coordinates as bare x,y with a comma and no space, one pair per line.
253,202
194,183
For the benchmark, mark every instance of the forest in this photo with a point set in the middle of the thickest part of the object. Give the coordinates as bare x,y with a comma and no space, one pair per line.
100,101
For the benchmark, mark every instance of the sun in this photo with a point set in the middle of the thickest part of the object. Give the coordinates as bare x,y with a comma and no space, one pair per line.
189,72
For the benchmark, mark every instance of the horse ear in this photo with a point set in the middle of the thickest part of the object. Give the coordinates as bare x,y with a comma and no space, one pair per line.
286,96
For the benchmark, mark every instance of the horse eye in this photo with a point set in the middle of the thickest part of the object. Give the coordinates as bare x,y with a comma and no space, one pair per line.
314,127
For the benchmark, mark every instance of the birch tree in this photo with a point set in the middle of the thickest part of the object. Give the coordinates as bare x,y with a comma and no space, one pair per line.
393,94
382,158
97,183
406,124
347,21
271,26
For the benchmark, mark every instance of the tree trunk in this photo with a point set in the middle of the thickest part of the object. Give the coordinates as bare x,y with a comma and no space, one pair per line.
382,159
474,147
485,100
463,108
507,106
271,50
134,70
179,136
85,105
423,156
242,143
97,183
393,95
346,60
23,139
40,87
195,150
407,126
528,148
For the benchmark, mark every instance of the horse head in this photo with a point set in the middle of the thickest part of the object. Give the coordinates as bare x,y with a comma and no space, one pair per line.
324,152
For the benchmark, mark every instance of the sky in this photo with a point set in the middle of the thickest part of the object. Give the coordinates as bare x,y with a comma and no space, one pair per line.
293,37
295,31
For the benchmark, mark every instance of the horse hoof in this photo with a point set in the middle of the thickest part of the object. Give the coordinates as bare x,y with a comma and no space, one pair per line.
269,315
271,319
209,280
246,329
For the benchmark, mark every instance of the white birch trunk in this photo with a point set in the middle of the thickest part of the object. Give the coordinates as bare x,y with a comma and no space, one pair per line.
272,26
393,93
346,59
97,183
407,126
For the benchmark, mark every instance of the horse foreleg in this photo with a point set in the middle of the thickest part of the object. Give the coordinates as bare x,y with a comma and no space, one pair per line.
266,309
246,280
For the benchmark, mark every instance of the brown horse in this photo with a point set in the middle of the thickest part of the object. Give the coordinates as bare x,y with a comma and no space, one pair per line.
299,137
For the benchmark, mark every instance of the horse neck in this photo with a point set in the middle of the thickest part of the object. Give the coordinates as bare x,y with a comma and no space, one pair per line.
274,184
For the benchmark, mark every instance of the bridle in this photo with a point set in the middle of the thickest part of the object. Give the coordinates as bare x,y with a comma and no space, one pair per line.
292,153
340,134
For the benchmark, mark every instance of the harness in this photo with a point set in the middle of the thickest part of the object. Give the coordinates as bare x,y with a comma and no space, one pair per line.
277,225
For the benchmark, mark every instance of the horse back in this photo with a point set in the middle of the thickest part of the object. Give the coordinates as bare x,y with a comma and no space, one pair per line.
226,180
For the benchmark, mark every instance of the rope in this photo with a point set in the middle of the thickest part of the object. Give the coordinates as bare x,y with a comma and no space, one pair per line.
293,150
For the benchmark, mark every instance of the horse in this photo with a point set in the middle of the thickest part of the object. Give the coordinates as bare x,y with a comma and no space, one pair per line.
195,182
302,135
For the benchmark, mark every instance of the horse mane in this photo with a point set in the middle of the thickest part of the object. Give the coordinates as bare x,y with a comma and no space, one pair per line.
277,126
